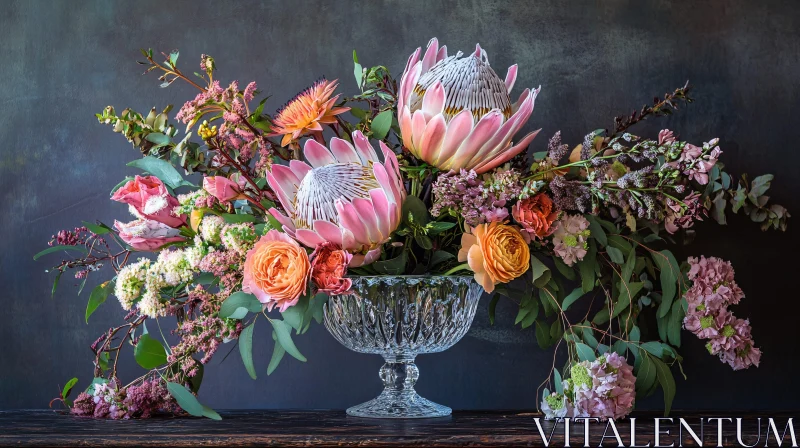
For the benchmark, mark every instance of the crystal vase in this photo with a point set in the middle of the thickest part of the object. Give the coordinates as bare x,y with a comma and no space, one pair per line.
400,317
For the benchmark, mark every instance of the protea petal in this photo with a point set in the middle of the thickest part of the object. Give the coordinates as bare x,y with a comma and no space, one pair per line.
511,77
329,231
317,155
430,55
366,212
309,237
457,131
507,154
433,137
382,210
418,124
433,102
343,151
365,151
349,219
484,130
288,225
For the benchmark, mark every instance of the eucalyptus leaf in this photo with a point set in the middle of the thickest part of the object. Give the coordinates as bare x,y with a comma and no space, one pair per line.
246,349
284,334
381,124
149,353
585,353
576,294
162,170
238,304
188,402
52,249
98,297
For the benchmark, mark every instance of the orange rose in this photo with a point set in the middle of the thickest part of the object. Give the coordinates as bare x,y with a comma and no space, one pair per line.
276,270
535,215
496,253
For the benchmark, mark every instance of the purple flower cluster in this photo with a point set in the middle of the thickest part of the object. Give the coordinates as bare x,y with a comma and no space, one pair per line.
708,317
571,195
478,200
555,150
136,401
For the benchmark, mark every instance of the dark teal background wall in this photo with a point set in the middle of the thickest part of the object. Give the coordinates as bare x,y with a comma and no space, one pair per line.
62,61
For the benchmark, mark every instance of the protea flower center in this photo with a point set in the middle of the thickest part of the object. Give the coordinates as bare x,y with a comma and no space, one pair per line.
469,83
321,187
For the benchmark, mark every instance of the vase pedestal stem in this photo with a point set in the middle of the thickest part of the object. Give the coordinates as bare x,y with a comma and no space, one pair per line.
399,399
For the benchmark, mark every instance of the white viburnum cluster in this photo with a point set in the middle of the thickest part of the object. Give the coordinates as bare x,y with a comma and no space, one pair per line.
130,281
238,237
210,229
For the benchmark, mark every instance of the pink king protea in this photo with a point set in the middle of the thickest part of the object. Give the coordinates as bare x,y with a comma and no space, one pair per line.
346,196
456,113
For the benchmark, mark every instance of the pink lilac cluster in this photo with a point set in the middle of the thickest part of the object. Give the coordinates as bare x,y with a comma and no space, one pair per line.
682,214
74,237
713,290
478,200
136,401
604,388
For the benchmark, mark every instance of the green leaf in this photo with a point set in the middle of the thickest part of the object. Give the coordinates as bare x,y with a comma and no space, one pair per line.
619,347
654,348
585,353
615,255
55,283
558,381
437,227
674,326
670,273
162,170
393,266
424,242
542,334
635,334
492,307
618,242
294,315
358,71
440,256
149,353
159,139
231,218
667,382
566,271
626,296
601,317
596,230
98,297
381,124
645,373
246,349
52,249
188,402
586,269
97,229
284,334
540,272
277,355
238,304
415,212
68,388
576,294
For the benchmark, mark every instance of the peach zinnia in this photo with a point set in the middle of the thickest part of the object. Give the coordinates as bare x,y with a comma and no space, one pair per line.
496,253
276,271
307,112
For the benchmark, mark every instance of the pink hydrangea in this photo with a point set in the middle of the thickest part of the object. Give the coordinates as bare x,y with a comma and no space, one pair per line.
570,238
604,388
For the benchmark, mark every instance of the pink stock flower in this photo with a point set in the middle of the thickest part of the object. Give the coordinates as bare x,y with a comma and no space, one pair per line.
698,162
665,136
329,268
707,315
456,113
147,235
150,198
222,188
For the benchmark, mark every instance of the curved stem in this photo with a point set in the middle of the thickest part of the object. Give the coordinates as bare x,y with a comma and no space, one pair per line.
460,267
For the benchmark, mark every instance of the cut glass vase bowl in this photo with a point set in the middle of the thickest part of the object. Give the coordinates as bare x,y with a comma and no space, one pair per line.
400,317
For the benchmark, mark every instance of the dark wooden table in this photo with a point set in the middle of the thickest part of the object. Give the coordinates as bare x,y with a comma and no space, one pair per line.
334,428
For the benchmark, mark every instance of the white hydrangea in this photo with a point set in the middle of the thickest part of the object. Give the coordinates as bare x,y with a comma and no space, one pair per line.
210,228
172,267
194,255
130,280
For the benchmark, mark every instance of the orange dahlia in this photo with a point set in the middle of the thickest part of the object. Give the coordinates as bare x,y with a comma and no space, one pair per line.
307,112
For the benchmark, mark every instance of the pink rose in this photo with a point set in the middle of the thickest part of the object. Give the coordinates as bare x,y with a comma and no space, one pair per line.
222,188
147,235
150,198
329,268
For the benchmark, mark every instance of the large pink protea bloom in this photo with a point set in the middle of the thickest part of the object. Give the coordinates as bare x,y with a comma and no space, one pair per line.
344,195
456,113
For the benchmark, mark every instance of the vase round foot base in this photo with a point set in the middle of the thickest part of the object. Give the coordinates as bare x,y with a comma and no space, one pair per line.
402,405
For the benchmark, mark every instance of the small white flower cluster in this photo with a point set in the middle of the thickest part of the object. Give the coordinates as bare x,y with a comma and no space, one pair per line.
238,237
144,280
211,227
130,281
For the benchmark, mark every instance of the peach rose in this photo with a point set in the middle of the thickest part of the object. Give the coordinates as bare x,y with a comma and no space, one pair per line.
535,215
276,270
496,253
150,198
329,268
222,188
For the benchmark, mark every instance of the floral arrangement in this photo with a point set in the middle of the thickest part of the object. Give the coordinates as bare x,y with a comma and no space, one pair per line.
249,217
